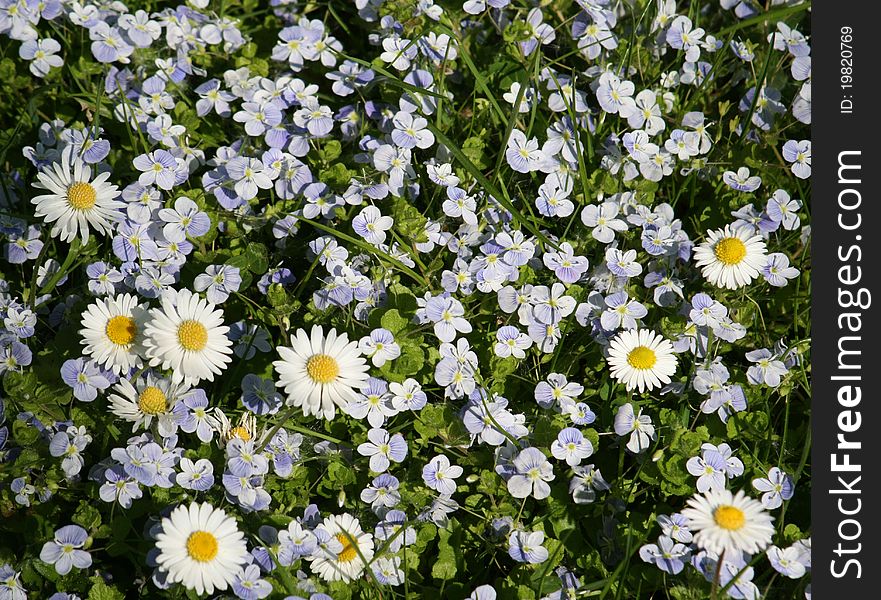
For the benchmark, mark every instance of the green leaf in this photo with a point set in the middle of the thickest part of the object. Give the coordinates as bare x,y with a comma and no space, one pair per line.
409,222
102,591
330,150
340,474
473,148
337,175
393,321
444,566
257,258
409,363
87,515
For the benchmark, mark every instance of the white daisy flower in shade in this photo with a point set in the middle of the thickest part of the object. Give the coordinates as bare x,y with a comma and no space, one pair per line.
343,548
187,335
150,398
74,203
641,358
731,257
245,430
113,331
201,547
724,522
321,373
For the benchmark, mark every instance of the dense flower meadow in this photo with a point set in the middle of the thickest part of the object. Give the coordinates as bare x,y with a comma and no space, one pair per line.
405,299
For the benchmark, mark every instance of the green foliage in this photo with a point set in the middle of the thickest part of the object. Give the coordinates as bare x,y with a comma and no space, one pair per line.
598,541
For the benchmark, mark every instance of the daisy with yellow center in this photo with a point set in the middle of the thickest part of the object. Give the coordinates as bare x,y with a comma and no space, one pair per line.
641,358
731,257
245,429
201,547
187,335
321,373
342,557
152,401
75,202
149,400
112,333
729,523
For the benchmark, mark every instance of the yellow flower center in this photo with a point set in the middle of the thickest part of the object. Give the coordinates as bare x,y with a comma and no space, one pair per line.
729,517
642,357
349,552
322,368
202,546
730,250
192,335
240,432
121,330
152,401
81,196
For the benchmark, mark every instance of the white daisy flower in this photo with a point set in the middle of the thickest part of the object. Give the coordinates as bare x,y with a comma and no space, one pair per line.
731,257
201,547
342,550
151,398
724,522
113,331
74,202
187,335
641,358
245,430
321,373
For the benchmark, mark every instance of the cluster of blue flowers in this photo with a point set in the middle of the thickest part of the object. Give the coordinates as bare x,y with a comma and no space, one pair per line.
545,269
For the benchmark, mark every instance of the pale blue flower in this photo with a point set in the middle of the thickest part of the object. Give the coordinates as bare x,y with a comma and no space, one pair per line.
388,528
510,341
667,555
799,154
294,542
373,402
24,247
527,547
786,562
10,584
440,475
557,390
622,312
249,585
380,346
158,167
382,449
523,155
382,493
709,468
638,427
571,446
198,475
447,314
768,370
777,271
532,472
260,395
784,210
218,282
675,526
407,395
185,219
565,264
624,263
65,550
777,487
742,181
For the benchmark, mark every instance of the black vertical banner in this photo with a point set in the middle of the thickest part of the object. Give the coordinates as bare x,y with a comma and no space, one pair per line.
845,274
